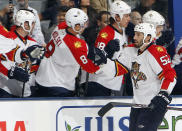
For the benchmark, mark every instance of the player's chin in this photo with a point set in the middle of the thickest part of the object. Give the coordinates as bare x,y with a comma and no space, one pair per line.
136,45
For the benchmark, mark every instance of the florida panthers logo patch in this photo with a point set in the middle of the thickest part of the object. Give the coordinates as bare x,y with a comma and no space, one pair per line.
77,44
104,35
136,75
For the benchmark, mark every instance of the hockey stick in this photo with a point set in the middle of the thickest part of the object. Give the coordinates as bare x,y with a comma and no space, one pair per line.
26,69
110,105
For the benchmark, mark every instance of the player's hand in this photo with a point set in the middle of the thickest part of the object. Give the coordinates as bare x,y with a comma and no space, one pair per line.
166,39
97,56
159,103
18,74
34,52
112,47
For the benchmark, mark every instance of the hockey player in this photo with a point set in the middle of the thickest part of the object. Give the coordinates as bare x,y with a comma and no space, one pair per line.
25,22
65,54
9,49
164,37
36,33
120,17
152,77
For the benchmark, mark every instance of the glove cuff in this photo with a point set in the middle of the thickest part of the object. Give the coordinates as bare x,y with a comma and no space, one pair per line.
165,96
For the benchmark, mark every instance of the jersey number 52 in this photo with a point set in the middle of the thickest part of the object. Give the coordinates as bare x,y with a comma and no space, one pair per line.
165,60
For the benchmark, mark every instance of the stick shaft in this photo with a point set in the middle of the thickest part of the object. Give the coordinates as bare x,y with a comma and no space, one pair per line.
110,105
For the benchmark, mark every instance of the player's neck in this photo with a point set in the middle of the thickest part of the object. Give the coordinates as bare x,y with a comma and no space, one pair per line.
21,32
70,30
144,46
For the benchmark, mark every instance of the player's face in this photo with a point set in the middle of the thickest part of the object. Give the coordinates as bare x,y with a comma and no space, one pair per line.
125,20
84,5
138,39
136,18
104,21
21,3
61,17
27,26
80,28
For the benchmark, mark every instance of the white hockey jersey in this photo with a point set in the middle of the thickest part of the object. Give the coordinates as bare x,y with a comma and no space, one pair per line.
13,86
64,56
105,35
150,70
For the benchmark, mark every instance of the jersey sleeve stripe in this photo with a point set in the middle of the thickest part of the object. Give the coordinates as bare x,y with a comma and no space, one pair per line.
161,75
120,68
11,54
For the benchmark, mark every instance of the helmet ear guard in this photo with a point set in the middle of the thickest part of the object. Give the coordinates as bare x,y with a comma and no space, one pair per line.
23,16
76,16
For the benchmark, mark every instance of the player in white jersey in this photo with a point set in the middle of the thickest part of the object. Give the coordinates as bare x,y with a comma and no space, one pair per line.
36,34
25,21
164,37
65,54
120,17
152,76
8,48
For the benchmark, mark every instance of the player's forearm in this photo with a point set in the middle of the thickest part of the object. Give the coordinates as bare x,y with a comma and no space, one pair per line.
168,85
168,81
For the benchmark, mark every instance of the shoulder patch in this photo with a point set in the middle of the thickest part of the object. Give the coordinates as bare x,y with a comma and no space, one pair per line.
104,35
77,44
159,49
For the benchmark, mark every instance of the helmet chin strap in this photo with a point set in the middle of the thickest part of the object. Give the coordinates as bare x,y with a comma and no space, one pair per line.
118,23
144,44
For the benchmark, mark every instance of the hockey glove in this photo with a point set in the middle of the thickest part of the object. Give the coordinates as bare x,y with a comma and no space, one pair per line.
159,103
166,39
18,74
97,56
112,47
34,52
